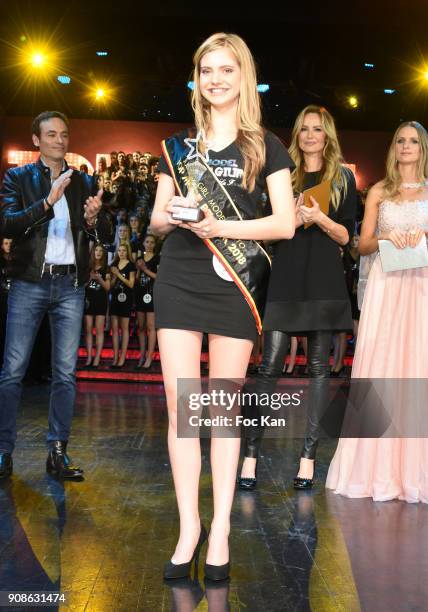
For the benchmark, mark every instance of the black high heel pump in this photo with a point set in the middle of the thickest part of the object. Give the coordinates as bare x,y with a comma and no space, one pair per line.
182,570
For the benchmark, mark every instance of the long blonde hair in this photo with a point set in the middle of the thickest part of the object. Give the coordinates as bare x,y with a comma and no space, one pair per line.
127,245
250,138
393,179
332,168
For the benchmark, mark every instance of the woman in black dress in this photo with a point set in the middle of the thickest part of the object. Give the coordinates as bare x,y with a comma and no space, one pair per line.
121,300
205,277
96,302
307,291
147,267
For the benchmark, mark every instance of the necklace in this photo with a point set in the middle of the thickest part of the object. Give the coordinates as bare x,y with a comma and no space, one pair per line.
214,144
413,185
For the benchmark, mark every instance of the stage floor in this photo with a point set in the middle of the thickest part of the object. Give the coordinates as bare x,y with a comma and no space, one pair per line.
104,541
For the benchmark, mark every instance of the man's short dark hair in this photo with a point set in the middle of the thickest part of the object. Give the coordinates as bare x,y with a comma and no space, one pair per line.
45,116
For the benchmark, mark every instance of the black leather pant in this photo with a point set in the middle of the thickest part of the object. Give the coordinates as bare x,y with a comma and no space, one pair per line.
274,353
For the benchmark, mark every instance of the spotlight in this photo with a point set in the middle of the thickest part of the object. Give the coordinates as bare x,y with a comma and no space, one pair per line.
263,87
353,101
368,65
389,91
425,75
191,85
101,53
38,59
101,92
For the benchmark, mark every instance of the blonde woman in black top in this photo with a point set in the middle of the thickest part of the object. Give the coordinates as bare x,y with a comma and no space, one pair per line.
122,273
307,292
203,282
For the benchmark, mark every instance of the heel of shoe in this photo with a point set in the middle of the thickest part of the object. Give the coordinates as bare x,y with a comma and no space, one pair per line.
304,483
248,484
182,570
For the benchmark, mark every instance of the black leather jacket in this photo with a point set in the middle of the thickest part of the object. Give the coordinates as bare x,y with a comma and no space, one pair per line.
23,218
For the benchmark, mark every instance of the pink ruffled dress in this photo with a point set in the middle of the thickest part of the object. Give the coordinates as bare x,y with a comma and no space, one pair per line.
392,343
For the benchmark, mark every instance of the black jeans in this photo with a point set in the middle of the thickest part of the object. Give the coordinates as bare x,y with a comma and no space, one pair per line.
274,353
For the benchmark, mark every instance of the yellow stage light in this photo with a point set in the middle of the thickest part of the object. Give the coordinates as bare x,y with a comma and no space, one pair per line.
100,93
425,75
353,101
38,59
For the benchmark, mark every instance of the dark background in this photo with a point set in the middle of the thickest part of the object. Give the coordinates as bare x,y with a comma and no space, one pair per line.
307,52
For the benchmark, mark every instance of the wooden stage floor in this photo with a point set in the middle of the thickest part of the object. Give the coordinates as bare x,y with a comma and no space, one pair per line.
104,541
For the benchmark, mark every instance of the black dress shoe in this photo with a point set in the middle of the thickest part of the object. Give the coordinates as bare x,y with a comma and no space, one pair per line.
182,570
59,463
247,484
6,465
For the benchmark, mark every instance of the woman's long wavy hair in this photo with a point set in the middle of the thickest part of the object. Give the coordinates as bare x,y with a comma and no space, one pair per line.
93,261
333,169
393,179
127,245
250,138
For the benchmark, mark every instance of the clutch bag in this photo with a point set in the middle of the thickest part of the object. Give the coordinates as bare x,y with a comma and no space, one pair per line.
393,259
321,193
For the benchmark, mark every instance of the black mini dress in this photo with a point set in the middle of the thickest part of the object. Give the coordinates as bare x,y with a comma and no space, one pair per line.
190,292
144,286
307,288
121,296
96,297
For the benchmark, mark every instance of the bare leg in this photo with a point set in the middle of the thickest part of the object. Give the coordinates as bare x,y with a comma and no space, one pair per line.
141,337
293,353
356,323
305,350
115,337
99,327
180,353
339,351
124,326
151,335
229,358
89,321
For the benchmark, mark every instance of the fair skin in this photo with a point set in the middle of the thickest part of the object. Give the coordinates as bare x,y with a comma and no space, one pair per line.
220,77
148,317
120,322
134,224
99,319
53,145
312,140
407,154
6,243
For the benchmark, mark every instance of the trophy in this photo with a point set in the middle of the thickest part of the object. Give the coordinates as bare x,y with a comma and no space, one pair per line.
192,214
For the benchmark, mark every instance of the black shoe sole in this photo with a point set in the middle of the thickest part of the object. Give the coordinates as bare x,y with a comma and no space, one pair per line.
60,476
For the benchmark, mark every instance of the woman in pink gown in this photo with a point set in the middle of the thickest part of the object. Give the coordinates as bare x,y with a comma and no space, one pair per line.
393,334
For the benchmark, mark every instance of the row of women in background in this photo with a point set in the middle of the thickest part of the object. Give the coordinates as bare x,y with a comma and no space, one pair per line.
145,255
117,289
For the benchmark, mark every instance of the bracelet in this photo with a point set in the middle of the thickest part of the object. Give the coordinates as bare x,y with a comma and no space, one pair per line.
91,223
47,203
